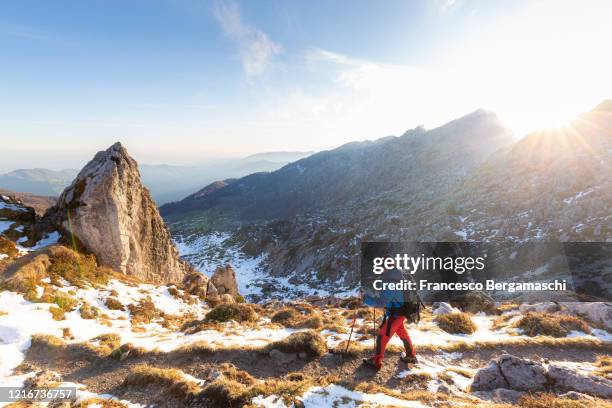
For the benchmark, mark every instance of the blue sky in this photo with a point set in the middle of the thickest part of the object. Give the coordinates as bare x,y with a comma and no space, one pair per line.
183,81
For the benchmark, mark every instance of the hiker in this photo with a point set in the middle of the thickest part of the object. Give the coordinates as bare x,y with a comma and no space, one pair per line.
397,311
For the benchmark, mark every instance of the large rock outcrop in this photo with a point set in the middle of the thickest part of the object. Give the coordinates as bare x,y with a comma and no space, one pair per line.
224,280
112,215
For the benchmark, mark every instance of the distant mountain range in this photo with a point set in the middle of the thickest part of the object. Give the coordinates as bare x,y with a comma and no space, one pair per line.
466,180
166,182
37,181
419,164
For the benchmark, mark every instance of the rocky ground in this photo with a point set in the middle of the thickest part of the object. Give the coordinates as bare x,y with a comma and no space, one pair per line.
126,343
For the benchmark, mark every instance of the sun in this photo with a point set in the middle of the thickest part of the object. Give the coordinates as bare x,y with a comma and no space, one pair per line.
545,116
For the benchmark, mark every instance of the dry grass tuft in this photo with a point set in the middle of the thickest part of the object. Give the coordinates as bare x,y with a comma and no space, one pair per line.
128,350
64,301
172,380
225,393
425,397
114,304
28,274
580,343
230,372
8,247
57,313
76,268
88,311
144,312
197,325
195,348
419,379
241,312
100,402
108,342
604,367
542,400
294,318
230,393
309,342
456,323
548,324
355,349
182,295
475,302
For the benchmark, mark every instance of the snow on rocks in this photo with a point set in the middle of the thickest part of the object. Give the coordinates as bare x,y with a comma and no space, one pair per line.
5,225
439,308
207,252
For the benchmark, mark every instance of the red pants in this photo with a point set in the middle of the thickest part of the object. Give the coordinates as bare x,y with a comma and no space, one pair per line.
389,327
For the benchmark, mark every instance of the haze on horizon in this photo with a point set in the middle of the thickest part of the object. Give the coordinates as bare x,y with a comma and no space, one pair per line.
190,81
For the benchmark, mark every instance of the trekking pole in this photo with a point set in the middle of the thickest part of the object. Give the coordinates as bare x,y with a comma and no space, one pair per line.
374,319
348,343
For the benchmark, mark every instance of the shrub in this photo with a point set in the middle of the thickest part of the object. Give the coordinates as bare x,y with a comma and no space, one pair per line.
456,323
547,324
241,312
114,304
309,342
64,301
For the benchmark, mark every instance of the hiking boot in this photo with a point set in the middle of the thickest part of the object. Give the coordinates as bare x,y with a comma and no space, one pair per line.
409,359
368,362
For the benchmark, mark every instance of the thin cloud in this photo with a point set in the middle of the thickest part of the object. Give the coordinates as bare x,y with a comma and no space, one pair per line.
31,34
256,49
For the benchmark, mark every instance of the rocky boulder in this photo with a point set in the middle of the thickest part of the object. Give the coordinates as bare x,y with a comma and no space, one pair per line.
597,312
567,380
510,372
224,279
542,307
196,284
516,374
113,216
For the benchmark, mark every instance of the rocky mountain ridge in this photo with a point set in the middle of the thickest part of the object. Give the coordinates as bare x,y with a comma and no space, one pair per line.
460,183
